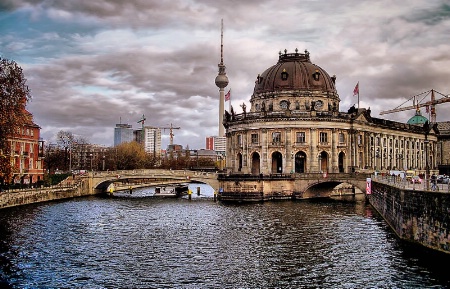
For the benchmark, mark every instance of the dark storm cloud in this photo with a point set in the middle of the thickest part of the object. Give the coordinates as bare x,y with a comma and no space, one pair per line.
91,64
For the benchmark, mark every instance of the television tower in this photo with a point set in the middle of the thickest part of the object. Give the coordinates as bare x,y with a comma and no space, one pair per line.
221,82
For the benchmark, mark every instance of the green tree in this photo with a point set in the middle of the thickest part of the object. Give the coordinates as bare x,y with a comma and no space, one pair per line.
14,95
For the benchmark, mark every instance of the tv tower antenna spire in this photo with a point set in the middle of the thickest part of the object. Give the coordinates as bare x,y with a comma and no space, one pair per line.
221,82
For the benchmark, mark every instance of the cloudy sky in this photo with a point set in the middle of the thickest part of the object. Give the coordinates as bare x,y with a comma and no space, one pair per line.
93,64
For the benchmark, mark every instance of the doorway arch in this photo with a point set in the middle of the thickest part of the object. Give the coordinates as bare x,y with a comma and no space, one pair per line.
323,161
277,163
255,163
300,162
341,162
239,159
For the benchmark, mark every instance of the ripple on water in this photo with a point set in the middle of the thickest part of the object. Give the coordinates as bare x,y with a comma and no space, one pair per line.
177,243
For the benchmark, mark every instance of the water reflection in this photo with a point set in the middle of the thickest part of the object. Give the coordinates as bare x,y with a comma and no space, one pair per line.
141,242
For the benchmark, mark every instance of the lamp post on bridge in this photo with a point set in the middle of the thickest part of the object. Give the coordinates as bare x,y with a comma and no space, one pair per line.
426,128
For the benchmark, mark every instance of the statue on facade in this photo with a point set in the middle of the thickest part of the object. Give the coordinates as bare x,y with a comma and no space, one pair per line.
244,107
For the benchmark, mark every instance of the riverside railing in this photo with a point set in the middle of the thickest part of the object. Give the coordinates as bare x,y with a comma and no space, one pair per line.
403,183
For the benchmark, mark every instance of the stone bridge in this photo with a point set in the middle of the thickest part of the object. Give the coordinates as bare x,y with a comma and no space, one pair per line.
289,186
100,181
306,185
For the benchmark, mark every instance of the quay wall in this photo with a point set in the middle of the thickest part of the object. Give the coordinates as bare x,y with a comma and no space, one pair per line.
37,195
421,217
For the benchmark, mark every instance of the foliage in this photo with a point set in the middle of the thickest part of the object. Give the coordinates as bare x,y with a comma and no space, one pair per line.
55,179
14,95
54,158
131,156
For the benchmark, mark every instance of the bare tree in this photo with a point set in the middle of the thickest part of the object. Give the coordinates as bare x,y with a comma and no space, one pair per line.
65,140
14,95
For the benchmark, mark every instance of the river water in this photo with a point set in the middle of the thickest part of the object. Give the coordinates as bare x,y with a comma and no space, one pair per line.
135,241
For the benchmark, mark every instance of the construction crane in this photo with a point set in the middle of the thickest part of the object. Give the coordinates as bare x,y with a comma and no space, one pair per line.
142,121
171,128
417,104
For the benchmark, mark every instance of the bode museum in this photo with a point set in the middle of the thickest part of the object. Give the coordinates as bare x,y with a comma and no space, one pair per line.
294,128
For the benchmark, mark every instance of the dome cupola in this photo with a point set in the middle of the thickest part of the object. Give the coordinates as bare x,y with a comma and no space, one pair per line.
297,81
418,118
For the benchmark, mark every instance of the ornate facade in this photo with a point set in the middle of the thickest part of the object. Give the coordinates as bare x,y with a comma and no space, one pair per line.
294,126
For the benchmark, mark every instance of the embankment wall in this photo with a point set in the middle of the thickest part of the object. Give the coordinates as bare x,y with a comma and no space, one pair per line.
25,197
420,217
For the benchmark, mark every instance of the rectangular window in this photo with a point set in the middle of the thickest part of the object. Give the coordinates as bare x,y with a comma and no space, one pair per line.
341,138
276,137
255,138
360,138
323,137
300,137
239,140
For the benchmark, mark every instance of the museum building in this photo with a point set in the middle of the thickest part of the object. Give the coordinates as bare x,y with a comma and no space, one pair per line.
294,126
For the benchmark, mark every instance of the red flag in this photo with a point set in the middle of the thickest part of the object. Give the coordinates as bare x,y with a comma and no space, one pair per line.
356,90
228,95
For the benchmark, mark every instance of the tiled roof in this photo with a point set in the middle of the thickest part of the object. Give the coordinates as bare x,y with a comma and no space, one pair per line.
444,127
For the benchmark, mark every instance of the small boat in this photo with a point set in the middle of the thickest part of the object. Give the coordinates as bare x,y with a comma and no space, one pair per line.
170,191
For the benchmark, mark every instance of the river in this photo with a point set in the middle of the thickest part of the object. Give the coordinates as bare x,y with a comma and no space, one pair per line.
135,241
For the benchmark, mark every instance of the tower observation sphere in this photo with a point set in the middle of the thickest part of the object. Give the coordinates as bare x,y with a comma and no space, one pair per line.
221,80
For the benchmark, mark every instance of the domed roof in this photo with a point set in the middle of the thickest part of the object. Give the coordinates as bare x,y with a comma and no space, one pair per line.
294,71
417,119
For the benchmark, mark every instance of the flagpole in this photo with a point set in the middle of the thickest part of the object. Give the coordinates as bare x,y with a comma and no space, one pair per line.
229,103
358,94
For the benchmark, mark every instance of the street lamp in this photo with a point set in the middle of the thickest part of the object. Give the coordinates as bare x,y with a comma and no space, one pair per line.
426,128
103,163
90,155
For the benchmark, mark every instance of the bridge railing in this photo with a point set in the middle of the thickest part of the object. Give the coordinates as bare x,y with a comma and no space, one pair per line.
400,183
151,172
305,176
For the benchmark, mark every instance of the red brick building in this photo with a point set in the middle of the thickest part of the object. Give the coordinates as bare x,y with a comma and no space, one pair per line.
27,153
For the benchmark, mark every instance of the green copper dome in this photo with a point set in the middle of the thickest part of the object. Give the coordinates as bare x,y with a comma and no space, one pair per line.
417,119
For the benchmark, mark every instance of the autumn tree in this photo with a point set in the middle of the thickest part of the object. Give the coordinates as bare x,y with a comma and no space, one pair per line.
14,95
130,156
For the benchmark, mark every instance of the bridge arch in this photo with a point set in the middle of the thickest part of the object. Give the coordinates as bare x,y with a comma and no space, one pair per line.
99,181
327,188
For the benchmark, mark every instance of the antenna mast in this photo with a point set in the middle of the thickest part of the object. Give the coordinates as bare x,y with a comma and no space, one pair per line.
221,82
221,43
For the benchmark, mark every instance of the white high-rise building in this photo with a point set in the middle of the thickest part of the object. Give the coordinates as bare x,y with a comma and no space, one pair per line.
217,143
152,140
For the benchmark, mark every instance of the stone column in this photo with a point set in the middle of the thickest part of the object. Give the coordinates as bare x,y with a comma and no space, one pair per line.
334,152
313,163
264,152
